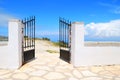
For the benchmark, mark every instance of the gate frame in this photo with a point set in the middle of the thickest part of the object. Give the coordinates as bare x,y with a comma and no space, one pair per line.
28,43
65,39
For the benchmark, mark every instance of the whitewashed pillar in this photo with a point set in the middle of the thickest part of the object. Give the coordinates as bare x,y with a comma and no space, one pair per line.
15,43
77,39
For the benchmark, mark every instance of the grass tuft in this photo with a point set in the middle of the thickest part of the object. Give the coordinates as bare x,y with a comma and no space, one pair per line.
51,51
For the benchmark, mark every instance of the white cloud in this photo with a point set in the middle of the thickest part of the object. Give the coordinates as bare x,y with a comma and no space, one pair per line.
109,29
4,18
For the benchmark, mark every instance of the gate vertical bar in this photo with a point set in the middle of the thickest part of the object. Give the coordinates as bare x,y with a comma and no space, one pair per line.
62,34
59,34
68,35
25,32
65,34
30,30
34,31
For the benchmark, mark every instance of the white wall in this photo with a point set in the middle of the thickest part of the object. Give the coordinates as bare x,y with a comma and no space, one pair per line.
97,56
86,56
4,56
11,54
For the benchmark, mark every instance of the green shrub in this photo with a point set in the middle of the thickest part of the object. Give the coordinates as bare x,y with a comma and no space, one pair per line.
45,38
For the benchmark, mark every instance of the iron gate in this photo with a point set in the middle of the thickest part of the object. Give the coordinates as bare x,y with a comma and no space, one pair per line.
28,43
65,39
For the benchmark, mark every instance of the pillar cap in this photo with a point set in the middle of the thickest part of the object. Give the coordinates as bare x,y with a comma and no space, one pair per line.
78,23
14,20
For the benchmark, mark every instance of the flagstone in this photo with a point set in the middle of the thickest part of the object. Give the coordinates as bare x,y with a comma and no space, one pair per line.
82,68
38,73
106,73
77,74
21,76
6,76
2,72
92,78
96,69
118,78
72,78
54,76
42,67
110,68
115,72
28,70
36,78
88,73
62,69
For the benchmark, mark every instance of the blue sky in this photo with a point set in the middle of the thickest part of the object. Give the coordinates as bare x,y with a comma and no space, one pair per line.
101,17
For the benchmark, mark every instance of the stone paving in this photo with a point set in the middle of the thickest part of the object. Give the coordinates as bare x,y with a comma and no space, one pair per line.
48,66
